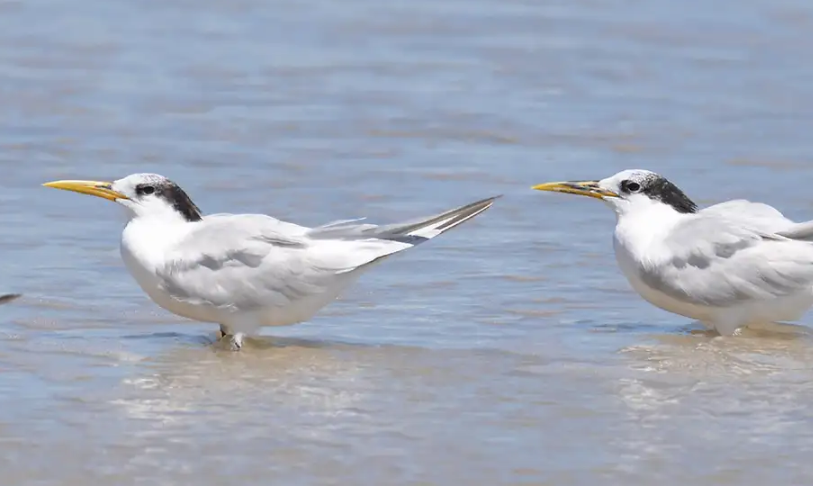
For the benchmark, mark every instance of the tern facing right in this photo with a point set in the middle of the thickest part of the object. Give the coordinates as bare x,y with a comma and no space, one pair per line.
730,265
247,271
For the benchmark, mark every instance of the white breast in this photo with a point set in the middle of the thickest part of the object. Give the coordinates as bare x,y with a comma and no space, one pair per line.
143,246
636,235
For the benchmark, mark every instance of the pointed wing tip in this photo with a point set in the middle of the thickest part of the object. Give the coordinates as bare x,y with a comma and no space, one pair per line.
489,200
9,297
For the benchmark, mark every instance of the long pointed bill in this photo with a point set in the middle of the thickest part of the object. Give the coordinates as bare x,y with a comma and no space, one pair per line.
582,188
93,188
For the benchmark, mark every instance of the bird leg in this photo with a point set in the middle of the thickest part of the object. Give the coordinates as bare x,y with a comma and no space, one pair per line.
233,341
236,341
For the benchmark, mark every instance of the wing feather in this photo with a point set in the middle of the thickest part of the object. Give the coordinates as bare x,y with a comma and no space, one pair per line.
253,261
721,261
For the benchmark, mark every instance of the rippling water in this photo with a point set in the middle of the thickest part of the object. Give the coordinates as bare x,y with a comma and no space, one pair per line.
509,351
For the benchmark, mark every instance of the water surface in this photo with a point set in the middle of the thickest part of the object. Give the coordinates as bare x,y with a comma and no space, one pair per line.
510,351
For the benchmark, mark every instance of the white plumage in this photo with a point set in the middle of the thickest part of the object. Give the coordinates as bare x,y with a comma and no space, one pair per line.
730,265
246,271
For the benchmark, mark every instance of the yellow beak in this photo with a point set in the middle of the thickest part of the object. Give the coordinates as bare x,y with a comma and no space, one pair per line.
582,188
94,188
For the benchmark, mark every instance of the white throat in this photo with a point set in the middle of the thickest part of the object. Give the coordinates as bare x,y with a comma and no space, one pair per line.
641,223
147,242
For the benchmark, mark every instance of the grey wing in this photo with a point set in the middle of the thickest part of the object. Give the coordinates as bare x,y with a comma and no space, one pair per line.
758,216
763,217
248,261
718,262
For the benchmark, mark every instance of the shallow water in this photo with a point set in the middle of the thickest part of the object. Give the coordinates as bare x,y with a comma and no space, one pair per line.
509,351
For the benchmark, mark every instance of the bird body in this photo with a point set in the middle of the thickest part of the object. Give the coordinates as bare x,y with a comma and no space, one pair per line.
734,277
728,266
256,276
247,271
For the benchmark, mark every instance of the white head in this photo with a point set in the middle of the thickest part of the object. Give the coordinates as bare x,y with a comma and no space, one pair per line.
144,195
628,190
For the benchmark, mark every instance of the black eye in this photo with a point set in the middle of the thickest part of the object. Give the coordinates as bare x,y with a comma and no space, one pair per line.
630,186
142,190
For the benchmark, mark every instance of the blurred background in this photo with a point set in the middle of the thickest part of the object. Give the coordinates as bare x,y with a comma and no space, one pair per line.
510,351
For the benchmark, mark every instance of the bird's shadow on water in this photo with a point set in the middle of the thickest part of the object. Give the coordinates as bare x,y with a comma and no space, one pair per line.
161,335
775,347
250,344
264,343
624,327
770,331
184,338
781,331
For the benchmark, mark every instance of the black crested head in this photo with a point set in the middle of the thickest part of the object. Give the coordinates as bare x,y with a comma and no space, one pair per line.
658,188
170,192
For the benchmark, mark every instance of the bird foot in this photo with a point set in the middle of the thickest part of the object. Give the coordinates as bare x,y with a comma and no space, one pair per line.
236,341
233,342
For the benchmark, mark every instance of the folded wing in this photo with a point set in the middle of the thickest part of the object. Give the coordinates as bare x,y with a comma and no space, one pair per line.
720,261
252,261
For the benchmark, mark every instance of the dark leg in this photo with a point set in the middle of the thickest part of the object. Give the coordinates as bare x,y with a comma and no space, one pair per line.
233,341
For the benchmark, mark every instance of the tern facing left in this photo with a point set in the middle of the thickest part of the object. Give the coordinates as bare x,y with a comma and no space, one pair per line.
247,271
729,265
